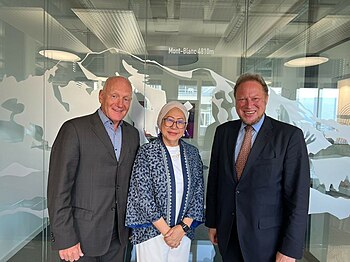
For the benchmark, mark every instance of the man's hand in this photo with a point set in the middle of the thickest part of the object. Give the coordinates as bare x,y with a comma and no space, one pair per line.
212,236
174,236
71,254
283,258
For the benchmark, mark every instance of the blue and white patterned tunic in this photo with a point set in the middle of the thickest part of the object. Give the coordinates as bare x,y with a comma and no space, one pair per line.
152,190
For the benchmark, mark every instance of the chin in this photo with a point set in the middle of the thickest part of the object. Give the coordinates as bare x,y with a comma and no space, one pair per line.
254,121
250,121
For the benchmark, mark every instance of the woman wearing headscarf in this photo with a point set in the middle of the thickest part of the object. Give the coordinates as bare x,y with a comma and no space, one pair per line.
166,194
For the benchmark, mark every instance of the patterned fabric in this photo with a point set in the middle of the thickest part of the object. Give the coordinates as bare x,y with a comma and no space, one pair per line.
244,152
152,190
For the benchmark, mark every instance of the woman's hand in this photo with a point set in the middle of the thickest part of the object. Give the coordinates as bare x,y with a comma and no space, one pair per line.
174,236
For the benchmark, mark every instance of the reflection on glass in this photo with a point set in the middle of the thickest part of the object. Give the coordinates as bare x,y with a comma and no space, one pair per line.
187,90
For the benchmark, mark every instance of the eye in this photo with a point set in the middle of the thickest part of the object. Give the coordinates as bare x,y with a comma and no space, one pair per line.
127,99
169,120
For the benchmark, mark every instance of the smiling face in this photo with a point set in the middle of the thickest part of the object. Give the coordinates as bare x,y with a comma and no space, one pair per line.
251,101
172,134
115,99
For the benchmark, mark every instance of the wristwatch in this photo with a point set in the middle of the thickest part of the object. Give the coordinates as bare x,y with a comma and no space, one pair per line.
185,227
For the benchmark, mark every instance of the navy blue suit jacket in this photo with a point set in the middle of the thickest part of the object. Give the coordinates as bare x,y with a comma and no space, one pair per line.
269,204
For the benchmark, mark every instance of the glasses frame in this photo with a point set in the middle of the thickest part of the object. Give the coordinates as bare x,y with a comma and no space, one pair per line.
165,119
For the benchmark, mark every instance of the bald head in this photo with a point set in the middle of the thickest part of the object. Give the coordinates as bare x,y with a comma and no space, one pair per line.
117,81
115,98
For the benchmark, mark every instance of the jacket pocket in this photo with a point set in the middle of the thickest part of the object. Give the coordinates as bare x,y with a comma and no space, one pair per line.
82,213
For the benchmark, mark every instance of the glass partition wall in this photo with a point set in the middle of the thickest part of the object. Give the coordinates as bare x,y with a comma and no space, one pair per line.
55,56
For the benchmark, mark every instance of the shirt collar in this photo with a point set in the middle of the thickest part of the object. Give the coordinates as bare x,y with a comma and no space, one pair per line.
257,125
105,120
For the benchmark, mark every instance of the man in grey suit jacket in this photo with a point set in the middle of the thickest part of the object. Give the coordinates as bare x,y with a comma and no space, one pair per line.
260,215
89,172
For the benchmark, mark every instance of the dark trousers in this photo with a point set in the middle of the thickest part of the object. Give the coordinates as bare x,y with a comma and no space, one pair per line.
233,252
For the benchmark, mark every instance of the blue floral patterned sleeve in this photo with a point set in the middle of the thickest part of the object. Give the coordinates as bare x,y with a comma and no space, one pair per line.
196,206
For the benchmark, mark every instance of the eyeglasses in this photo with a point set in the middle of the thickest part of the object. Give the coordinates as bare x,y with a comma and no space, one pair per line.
169,122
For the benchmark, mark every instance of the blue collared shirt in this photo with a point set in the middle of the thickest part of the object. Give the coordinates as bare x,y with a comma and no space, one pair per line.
114,135
256,128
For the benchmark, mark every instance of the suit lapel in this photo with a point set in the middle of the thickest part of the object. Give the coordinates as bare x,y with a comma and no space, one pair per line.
232,138
100,131
125,140
259,144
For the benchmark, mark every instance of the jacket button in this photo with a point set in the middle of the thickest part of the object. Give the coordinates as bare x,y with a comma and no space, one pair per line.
237,192
113,208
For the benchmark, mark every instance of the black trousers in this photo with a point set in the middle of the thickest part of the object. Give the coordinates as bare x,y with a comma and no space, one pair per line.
233,252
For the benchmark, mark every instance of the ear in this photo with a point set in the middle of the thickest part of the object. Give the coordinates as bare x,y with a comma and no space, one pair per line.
100,95
266,99
185,133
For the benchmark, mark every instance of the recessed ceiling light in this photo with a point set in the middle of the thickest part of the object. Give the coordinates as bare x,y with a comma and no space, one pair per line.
306,61
60,55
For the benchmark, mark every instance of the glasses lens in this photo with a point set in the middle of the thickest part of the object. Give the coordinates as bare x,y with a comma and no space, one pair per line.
168,122
180,124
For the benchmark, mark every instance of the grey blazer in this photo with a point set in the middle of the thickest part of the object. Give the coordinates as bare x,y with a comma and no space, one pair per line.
87,184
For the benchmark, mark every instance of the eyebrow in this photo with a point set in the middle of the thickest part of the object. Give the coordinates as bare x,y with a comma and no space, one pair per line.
175,117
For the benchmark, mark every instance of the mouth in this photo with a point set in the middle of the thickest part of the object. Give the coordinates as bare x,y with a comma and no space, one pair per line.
172,133
249,113
118,110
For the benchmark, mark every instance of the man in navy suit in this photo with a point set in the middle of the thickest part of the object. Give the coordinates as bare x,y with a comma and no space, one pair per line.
89,174
262,214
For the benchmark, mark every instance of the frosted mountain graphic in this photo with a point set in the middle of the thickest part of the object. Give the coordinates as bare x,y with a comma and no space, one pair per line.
16,169
22,124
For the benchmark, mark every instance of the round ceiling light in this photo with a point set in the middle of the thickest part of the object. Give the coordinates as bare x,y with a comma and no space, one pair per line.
306,61
60,55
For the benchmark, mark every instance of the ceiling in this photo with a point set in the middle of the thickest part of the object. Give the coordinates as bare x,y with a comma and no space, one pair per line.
275,28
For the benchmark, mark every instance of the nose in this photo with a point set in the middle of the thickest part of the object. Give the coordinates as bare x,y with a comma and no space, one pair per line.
119,102
249,102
